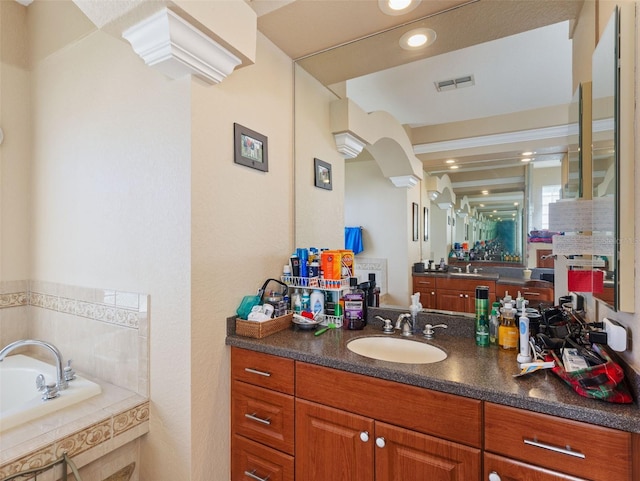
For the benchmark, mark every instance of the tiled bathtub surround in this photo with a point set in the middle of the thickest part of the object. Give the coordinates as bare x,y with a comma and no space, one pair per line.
104,331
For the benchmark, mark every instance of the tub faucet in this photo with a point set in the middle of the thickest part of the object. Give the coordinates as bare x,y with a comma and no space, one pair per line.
62,382
408,328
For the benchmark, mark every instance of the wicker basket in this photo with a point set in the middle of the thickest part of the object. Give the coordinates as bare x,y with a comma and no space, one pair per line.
258,330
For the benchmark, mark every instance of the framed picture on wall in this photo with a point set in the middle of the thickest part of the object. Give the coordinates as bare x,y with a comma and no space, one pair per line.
416,222
322,175
425,225
250,148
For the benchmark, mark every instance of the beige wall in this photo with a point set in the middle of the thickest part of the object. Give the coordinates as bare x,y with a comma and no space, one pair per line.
241,234
319,213
15,119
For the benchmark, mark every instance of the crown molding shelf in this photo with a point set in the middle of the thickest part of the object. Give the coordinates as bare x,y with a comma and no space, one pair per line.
407,181
348,144
176,48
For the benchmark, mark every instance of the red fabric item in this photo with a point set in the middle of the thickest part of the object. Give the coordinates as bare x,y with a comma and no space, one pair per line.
585,281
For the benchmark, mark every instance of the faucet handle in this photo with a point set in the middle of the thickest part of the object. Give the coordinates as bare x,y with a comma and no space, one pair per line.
387,328
429,330
40,382
50,391
69,373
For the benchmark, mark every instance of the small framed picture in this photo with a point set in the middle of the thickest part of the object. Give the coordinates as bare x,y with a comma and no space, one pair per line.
250,148
322,171
426,223
416,221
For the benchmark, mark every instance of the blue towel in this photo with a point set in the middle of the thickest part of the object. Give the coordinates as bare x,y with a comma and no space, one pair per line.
353,239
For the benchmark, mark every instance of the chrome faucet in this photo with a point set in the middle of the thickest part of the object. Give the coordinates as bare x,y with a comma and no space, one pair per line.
468,269
408,327
60,372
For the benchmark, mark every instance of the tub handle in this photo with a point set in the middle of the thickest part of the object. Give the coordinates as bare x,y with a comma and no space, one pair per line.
50,391
40,383
69,373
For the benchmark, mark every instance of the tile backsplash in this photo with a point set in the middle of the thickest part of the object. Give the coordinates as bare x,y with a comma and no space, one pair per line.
104,331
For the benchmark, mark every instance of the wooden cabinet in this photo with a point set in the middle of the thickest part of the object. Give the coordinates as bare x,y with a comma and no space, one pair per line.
351,427
334,444
262,416
345,430
459,295
426,286
523,445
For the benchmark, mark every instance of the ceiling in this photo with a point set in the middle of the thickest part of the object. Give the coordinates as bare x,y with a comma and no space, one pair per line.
518,51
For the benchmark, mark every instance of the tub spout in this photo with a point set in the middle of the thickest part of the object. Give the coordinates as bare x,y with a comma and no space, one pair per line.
62,382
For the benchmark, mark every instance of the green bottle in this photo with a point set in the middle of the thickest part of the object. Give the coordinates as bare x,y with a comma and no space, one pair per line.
482,319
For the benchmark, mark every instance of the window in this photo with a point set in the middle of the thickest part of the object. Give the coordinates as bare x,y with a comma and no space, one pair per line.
550,193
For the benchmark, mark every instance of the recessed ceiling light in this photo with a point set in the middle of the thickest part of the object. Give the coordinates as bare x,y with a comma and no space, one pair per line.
454,167
516,203
481,205
397,7
450,161
495,211
485,192
417,38
525,159
527,153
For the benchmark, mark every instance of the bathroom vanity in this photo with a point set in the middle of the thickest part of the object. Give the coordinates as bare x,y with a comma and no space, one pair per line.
306,407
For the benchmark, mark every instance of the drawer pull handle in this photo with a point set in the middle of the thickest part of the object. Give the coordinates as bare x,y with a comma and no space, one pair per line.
253,475
253,417
568,451
255,371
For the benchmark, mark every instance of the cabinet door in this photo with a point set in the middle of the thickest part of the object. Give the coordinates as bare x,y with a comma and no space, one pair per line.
451,301
497,468
406,455
332,445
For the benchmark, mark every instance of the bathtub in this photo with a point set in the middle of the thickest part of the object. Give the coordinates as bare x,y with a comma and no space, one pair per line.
20,401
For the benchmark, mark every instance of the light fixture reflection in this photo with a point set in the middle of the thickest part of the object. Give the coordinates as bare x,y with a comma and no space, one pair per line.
417,38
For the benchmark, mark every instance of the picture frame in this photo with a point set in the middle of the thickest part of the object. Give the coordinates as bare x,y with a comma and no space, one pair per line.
425,220
322,174
250,148
416,222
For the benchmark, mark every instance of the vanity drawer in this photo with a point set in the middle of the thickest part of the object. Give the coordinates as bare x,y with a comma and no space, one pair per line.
421,282
265,370
258,460
263,415
593,452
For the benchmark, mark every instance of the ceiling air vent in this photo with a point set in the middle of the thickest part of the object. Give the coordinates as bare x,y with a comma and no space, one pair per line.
455,83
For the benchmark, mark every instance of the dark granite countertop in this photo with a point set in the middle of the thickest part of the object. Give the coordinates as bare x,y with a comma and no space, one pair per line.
469,371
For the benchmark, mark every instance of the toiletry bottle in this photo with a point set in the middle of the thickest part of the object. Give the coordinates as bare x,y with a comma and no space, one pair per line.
317,302
494,323
442,264
482,321
519,300
306,300
354,307
295,265
508,332
296,301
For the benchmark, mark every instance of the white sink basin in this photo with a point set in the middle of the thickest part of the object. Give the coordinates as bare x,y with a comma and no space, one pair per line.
394,349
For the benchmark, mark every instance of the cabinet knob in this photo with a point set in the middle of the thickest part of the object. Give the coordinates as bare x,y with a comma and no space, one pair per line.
380,442
364,436
461,295
493,476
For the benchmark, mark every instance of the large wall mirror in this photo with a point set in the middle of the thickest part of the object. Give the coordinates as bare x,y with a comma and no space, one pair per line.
486,133
605,156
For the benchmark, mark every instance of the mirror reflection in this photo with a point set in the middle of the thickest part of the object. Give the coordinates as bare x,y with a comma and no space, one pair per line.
605,150
489,127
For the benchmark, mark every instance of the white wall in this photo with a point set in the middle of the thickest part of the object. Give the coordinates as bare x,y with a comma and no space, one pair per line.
370,197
